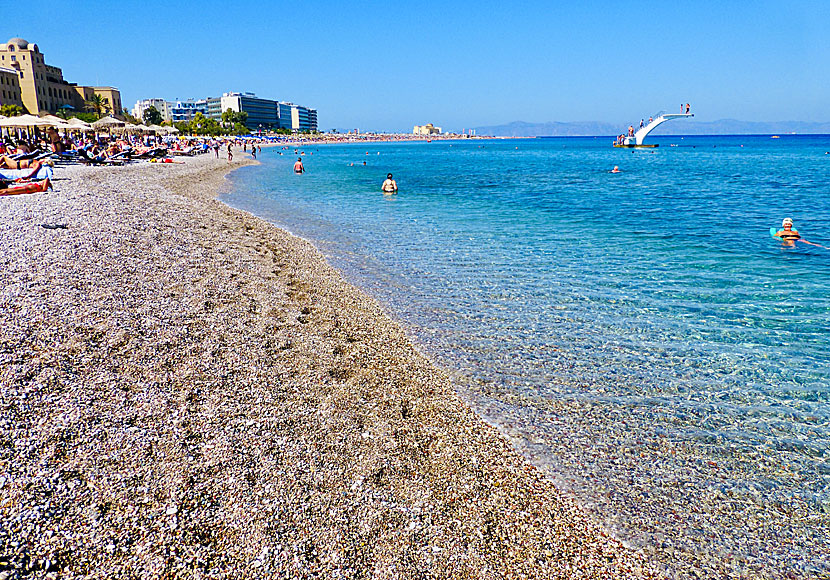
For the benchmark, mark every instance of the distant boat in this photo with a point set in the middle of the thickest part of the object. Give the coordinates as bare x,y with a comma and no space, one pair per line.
775,137
636,140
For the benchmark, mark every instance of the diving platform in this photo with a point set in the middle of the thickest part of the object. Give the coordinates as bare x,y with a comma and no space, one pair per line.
637,139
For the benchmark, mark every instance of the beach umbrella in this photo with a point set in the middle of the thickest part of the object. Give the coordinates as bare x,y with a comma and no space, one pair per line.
142,128
79,125
24,121
53,119
157,128
107,123
171,130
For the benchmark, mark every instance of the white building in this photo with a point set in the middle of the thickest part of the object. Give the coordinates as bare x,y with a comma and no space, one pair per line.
160,105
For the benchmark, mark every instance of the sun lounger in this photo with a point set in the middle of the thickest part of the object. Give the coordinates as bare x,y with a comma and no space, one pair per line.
45,172
82,153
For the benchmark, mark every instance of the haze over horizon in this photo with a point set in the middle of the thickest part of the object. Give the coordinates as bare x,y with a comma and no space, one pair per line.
377,67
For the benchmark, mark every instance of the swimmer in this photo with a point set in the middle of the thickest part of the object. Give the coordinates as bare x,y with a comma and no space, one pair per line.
616,169
789,236
389,186
298,166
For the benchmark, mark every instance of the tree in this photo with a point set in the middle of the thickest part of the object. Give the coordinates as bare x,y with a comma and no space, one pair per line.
231,117
129,118
240,129
152,116
98,105
12,110
202,125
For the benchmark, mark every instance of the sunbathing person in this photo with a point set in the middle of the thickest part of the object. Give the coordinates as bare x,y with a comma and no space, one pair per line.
7,188
7,162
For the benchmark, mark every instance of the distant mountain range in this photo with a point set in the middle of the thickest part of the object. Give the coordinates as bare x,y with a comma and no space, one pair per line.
677,127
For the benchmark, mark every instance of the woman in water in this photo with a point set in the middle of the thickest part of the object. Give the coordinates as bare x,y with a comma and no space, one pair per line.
789,236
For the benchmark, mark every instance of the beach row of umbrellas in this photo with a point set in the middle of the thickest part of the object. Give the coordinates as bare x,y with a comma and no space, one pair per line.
106,124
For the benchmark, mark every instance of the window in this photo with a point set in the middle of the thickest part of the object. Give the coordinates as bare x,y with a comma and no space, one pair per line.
11,48
14,58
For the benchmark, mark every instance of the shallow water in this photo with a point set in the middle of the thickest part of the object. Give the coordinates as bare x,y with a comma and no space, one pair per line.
639,334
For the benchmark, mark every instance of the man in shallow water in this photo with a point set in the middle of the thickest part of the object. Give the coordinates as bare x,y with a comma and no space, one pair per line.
389,186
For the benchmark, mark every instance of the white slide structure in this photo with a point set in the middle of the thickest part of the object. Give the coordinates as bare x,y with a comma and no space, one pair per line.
640,135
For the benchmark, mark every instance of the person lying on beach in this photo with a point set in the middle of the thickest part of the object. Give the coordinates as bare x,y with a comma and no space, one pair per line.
789,236
389,186
298,166
7,188
9,163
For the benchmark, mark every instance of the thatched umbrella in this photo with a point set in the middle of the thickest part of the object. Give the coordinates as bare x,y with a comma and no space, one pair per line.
53,119
24,121
107,123
79,125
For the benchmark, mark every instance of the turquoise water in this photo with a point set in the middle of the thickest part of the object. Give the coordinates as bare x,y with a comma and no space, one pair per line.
639,334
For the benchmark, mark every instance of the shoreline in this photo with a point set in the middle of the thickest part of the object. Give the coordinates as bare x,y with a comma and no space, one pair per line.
192,391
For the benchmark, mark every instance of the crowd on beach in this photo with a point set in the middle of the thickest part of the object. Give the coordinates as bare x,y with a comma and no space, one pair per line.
27,159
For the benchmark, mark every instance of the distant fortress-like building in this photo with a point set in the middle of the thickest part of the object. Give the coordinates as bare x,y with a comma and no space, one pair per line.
27,81
427,129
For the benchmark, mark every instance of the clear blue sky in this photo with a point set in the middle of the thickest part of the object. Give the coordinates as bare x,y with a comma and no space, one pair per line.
390,65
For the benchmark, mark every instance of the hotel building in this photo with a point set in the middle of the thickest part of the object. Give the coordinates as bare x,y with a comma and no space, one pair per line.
160,105
184,111
42,86
265,114
262,113
10,87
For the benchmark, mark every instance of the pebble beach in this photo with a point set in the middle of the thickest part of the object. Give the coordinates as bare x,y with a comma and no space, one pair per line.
187,391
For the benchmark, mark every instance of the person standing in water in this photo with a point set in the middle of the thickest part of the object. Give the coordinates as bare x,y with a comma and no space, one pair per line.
389,186
298,166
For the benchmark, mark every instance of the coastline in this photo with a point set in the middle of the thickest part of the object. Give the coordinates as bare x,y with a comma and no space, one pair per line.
191,391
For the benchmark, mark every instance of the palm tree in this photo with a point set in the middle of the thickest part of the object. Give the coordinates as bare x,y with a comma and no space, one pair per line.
98,104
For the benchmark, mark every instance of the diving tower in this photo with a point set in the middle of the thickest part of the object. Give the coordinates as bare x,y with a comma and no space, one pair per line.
637,139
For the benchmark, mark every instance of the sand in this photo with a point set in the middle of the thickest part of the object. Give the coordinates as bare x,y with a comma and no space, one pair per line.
187,391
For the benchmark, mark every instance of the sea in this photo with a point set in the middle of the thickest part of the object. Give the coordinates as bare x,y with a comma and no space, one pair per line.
640,336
